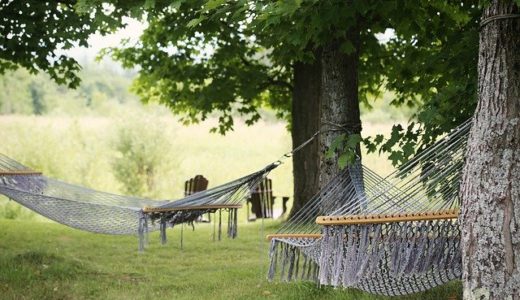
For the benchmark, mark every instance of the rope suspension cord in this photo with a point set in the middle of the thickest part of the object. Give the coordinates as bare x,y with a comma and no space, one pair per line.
346,127
298,148
488,20
338,127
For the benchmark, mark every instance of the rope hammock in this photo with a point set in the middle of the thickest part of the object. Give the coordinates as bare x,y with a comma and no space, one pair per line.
392,236
87,209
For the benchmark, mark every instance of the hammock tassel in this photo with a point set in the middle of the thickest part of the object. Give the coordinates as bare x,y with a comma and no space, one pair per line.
141,231
219,224
273,259
326,252
163,231
232,223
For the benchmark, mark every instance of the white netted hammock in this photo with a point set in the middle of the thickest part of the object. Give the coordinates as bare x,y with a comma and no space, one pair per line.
87,209
393,236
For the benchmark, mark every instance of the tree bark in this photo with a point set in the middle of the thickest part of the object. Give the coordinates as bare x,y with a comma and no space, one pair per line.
305,122
491,181
339,100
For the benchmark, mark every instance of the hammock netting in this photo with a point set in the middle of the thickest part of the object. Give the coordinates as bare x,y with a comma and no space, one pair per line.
378,250
87,209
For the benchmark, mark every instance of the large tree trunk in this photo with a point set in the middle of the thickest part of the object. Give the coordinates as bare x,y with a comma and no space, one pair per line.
339,100
305,122
491,181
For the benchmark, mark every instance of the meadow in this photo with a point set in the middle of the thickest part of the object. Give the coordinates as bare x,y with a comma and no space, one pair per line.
40,259
83,150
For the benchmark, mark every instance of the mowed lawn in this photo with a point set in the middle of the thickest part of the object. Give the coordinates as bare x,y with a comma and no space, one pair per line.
43,260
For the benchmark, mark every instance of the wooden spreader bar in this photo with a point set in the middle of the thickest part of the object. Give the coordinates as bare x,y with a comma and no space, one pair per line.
294,236
148,209
18,172
387,218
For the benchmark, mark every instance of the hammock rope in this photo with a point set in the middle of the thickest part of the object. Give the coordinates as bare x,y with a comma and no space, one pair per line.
87,209
95,211
392,236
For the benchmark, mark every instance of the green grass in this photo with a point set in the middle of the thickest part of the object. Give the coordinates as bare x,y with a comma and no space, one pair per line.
42,260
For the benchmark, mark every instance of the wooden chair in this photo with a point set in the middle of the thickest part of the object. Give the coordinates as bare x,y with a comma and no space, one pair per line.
262,201
194,185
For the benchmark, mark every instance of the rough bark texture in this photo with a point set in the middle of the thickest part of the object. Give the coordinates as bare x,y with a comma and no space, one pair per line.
339,100
491,180
305,122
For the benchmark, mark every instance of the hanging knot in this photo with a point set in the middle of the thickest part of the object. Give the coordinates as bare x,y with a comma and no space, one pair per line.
348,127
497,17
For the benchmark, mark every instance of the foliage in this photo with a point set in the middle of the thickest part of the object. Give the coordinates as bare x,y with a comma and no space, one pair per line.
196,66
102,89
433,68
35,32
201,57
347,146
204,56
141,155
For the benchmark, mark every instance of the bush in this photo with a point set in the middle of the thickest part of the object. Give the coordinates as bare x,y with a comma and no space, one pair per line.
142,156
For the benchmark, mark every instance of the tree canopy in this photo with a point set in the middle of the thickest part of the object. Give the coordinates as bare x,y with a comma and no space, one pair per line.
35,33
199,57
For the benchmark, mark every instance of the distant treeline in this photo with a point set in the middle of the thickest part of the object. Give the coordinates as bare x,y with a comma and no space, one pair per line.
103,89
30,94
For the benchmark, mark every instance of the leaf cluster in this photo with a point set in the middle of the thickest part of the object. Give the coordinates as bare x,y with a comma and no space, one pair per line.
232,57
433,66
196,64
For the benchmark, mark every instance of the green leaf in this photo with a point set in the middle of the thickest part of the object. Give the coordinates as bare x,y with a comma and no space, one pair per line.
337,143
343,160
346,158
176,4
379,139
212,4
408,150
195,22
353,140
396,157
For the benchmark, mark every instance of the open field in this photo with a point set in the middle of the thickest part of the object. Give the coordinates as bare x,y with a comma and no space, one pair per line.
82,150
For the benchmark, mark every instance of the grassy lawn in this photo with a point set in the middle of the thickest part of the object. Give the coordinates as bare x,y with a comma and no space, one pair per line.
43,260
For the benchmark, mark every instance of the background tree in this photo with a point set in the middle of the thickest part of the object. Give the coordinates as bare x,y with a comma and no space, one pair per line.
253,53
199,57
37,97
491,181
